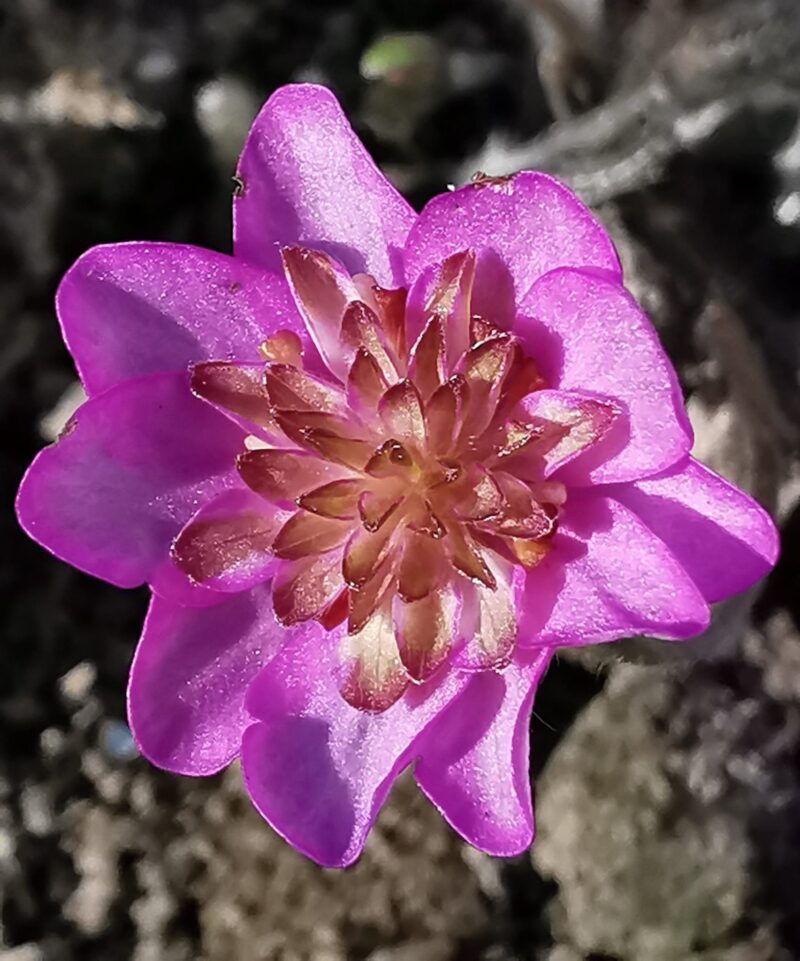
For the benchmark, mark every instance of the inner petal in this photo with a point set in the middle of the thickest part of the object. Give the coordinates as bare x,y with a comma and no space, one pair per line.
374,675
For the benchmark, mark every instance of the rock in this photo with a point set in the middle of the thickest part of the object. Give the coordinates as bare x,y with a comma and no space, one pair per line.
668,814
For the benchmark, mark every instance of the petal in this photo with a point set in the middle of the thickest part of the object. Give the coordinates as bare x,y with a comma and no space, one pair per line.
466,556
128,472
373,675
400,409
427,630
290,388
490,619
338,499
422,568
132,309
588,333
238,391
361,330
317,769
226,545
307,179
282,475
474,764
365,383
588,423
322,290
605,576
303,588
723,539
444,292
364,552
305,534
443,414
189,676
520,228
428,367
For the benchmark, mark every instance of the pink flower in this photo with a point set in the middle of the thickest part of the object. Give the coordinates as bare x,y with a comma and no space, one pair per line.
375,467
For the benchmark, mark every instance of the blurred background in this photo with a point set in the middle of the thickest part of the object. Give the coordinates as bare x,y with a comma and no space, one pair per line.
668,795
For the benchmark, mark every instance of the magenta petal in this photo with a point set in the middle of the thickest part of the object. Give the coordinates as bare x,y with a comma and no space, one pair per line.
317,769
474,764
174,586
723,539
189,676
307,180
588,333
519,227
132,309
129,470
606,576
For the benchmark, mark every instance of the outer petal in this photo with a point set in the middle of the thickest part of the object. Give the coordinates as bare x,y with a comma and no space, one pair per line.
588,333
140,308
174,586
130,469
188,680
520,227
307,180
316,768
723,539
606,576
474,766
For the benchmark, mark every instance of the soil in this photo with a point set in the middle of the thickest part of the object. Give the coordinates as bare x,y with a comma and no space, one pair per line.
678,120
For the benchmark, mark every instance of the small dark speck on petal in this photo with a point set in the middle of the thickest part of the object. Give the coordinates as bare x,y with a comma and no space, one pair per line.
234,287
502,184
67,429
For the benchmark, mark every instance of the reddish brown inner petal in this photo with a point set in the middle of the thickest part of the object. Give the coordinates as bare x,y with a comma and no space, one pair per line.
391,459
365,382
485,367
391,310
304,588
284,347
292,389
443,415
450,299
234,388
425,630
316,284
484,497
364,551
282,475
375,507
206,548
361,331
401,412
364,600
341,450
375,677
338,500
466,557
480,329
305,534
336,611
423,567
428,367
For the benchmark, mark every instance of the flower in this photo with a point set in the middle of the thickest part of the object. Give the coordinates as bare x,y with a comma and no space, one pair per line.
375,467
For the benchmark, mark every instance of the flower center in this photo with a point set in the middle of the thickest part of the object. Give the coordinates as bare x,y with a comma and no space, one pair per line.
409,482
